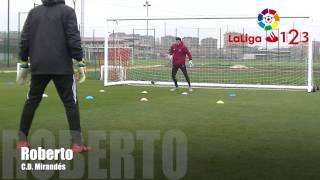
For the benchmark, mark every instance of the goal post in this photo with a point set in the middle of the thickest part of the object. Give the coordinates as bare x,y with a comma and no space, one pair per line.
230,52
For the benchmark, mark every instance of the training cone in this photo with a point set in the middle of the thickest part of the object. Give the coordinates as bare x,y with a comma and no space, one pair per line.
144,100
45,95
101,90
220,102
184,93
144,92
89,97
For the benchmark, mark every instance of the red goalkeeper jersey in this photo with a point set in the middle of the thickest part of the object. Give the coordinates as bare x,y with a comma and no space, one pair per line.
179,53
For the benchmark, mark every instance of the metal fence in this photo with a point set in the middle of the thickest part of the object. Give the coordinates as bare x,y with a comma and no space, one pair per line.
9,49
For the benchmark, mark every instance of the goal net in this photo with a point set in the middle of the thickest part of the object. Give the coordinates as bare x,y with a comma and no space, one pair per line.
119,59
267,51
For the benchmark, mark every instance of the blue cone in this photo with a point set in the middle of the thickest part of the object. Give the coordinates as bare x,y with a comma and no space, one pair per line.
89,97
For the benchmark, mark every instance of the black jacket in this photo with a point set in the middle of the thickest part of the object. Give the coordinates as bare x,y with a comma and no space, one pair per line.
50,38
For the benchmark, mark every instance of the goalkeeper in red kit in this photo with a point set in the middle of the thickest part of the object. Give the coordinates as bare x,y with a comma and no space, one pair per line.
178,53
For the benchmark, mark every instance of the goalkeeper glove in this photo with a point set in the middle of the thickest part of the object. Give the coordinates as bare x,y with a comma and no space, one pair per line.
23,72
170,57
81,71
190,64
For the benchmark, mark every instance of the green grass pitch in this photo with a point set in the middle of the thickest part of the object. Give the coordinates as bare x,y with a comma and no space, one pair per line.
256,135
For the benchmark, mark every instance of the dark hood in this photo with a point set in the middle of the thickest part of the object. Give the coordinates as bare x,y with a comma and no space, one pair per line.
52,2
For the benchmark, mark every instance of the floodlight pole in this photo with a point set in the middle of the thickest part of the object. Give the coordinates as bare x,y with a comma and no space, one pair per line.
35,4
19,13
8,35
147,5
74,4
82,18
19,22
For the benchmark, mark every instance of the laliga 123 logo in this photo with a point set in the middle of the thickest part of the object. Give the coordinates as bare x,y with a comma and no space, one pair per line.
269,20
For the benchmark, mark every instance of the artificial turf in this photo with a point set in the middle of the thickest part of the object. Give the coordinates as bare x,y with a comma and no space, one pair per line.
258,134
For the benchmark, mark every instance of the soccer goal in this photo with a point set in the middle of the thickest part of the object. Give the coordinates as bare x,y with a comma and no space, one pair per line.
267,51
119,59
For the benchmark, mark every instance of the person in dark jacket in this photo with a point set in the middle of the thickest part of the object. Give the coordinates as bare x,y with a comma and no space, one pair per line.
178,52
50,40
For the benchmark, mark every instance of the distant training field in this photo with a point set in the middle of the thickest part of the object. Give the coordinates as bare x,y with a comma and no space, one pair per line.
256,134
